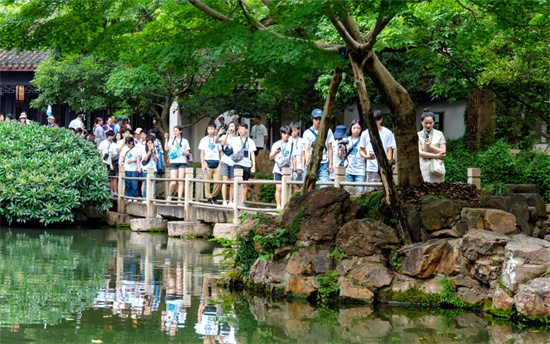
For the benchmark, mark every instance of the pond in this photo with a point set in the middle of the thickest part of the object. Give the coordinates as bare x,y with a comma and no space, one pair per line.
107,286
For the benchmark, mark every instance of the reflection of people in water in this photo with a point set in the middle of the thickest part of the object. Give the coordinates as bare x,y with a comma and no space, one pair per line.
175,315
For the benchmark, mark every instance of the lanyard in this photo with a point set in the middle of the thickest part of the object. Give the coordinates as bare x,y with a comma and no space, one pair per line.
426,135
353,145
211,144
284,148
245,142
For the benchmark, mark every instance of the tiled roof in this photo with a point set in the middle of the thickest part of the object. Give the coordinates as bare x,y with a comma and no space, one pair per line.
25,61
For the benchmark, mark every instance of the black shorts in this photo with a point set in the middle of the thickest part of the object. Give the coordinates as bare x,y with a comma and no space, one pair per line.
246,171
114,171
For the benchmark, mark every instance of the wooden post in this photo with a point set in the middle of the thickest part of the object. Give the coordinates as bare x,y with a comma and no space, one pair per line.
237,194
286,190
149,192
189,213
121,190
474,177
395,175
339,175
167,184
199,187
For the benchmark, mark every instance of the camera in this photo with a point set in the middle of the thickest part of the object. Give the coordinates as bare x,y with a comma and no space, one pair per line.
231,130
343,143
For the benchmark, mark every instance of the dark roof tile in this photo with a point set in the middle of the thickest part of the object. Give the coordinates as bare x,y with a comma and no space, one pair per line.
27,60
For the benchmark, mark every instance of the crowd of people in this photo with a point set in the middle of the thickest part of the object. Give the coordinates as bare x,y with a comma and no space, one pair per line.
231,146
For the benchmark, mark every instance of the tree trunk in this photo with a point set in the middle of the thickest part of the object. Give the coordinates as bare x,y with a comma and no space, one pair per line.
403,114
163,120
480,119
392,197
319,144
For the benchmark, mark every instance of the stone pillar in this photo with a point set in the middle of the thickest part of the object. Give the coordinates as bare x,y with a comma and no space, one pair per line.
199,187
237,194
189,213
395,175
474,177
286,190
339,175
121,191
149,193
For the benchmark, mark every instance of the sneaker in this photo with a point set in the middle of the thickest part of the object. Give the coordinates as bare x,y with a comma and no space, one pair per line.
224,203
230,204
279,207
210,201
214,201
244,205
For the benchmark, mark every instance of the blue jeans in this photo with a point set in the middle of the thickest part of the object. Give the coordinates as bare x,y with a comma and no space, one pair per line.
145,186
322,175
131,185
357,179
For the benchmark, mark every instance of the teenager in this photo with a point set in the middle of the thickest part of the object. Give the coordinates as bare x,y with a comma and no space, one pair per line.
149,158
178,150
298,143
104,149
244,147
326,167
131,161
99,133
285,154
259,134
227,164
211,154
354,162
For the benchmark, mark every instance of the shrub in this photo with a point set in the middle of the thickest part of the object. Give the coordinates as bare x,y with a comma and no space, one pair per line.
48,174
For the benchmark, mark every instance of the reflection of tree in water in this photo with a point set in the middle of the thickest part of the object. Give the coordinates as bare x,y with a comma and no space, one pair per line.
44,280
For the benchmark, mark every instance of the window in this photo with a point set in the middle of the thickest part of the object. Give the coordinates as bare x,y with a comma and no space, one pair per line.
438,121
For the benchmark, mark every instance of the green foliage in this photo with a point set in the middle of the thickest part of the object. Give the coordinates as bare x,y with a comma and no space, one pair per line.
246,254
267,191
447,296
328,286
496,189
396,260
48,174
336,255
458,160
373,206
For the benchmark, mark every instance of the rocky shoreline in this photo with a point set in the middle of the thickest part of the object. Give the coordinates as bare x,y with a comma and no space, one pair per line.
484,259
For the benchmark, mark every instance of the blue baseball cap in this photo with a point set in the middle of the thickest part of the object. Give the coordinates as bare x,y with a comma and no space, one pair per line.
316,113
340,132
119,118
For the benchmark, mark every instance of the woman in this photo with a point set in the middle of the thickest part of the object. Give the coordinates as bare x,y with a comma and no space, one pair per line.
131,160
354,162
227,164
178,151
431,148
51,121
149,158
109,125
23,118
1,117
99,133
118,137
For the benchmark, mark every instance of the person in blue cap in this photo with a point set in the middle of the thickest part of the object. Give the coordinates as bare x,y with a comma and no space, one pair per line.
338,148
118,124
326,167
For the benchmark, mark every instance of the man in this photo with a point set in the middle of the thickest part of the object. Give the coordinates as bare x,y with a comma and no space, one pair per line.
367,151
285,153
248,161
118,125
78,122
105,151
211,153
259,134
222,126
137,138
298,143
326,167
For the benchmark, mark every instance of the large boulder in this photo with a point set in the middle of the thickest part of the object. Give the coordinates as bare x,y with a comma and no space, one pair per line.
515,205
535,200
267,271
501,300
533,298
413,221
526,258
483,254
350,291
302,286
424,259
366,237
523,188
437,214
371,274
310,261
319,213
495,220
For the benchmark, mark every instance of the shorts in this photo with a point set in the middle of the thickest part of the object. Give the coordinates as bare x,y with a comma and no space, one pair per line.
113,172
246,171
277,176
177,165
227,171
300,174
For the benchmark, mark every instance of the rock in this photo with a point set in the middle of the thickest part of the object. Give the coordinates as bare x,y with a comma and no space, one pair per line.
501,300
536,232
281,252
365,237
547,237
114,219
533,298
517,205
535,200
471,295
346,265
495,220
525,258
319,213
350,292
483,253
355,193
210,215
267,271
413,221
446,233
495,202
437,214
308,261
138,209
225,231
427,258
183,228
523,188
302,286
372,274
148,225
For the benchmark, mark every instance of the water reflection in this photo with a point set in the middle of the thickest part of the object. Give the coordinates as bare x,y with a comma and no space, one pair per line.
125,287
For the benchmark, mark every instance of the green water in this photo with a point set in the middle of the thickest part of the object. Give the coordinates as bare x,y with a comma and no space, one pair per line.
105,286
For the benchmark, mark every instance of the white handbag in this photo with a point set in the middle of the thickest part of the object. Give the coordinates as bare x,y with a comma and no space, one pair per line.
437,167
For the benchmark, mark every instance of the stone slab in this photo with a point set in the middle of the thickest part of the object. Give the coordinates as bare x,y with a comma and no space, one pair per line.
183,228
113,218
137,209
171,211
210,215
148,225
225,231
94,214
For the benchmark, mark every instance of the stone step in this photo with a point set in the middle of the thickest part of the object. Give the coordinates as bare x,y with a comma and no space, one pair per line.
148,225
113,218
184,228
225,231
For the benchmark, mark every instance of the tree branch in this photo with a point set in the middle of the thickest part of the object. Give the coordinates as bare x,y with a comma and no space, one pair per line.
350,41
469,9
267,3
252,22
351,26
196,121
209,11
381,23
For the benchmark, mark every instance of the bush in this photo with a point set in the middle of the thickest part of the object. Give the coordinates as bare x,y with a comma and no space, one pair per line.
48,174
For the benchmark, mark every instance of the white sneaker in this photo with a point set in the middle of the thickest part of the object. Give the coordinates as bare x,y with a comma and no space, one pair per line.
230,204
279,207
169,198
224,203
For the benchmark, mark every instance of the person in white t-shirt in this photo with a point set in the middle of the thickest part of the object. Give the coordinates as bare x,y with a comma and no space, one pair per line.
132,165
354,162
326,167
227,164
178,150
210,162
148,159
259,134
367,151
298,142
105,152
77,122
285,154
248,161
